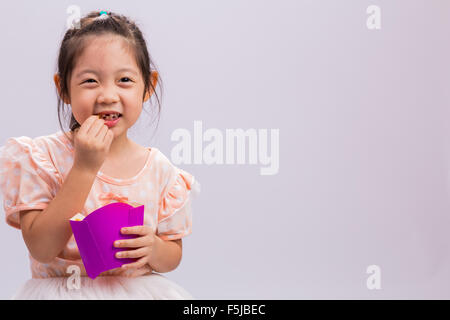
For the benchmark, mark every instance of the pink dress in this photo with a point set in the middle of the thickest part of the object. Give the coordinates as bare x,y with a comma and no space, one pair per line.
31,173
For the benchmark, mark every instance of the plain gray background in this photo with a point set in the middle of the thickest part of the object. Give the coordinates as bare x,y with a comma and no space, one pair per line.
363,119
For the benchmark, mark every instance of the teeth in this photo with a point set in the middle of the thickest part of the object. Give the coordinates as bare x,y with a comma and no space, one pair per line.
110,116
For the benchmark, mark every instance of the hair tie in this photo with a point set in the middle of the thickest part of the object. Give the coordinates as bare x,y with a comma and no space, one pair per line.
103,15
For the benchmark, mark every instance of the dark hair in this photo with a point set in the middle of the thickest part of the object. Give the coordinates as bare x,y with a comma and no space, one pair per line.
74,42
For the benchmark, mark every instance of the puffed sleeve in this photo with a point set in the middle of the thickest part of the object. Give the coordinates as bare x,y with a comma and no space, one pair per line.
175,208
28,179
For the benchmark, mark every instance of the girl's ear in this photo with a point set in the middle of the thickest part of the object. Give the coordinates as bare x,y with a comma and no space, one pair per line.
154,81
57,80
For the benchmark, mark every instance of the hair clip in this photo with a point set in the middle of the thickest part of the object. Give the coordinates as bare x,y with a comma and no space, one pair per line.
102,15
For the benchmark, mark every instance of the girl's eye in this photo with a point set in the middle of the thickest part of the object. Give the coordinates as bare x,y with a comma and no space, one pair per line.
92,80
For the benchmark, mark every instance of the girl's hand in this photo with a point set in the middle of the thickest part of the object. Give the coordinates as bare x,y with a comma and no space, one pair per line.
143,245
92,142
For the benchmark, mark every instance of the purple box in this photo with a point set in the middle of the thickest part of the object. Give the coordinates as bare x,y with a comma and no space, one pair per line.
96,233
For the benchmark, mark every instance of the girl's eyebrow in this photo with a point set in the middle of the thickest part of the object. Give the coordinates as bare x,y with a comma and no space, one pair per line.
96,73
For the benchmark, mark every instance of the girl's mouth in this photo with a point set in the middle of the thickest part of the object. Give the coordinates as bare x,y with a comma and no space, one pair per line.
110,119
111,123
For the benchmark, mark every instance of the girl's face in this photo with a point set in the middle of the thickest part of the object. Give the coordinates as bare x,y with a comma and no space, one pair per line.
107,78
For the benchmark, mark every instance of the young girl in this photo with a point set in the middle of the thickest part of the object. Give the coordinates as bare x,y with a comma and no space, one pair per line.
104,73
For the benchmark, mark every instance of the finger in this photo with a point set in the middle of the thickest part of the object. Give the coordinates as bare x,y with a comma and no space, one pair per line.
96,127
140,230
102,132
108,138
84,127
104,136
133,243
137,253
138,264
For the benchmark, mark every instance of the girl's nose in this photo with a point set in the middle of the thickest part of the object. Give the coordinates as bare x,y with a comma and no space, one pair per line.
108,96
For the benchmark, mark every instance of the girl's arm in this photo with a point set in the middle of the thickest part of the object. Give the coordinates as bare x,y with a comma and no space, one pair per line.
46,233
166,255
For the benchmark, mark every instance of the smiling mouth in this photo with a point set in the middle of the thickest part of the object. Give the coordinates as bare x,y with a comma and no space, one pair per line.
109,117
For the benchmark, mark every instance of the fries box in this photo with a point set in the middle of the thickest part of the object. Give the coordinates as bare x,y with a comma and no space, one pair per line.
95,235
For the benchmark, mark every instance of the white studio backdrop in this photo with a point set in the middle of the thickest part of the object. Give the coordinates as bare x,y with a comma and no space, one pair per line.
350,117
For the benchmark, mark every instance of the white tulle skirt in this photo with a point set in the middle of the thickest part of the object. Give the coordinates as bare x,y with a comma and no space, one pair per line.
148,287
